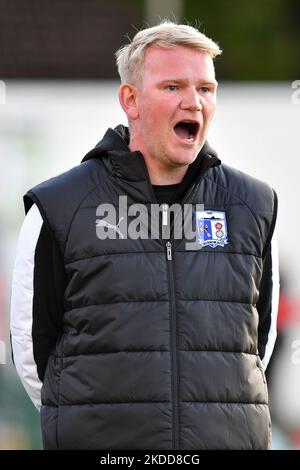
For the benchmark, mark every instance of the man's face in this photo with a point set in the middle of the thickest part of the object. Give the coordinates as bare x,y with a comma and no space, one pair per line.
176,103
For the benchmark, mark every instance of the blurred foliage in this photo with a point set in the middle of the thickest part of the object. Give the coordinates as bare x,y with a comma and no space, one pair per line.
259,38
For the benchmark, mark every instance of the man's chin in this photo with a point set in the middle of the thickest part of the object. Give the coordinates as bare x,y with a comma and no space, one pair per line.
184,158
180,164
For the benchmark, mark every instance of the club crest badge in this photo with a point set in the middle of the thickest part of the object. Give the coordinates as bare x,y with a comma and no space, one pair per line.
211,228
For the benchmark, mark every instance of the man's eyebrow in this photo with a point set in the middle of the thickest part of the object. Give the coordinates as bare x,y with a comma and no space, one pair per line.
185,81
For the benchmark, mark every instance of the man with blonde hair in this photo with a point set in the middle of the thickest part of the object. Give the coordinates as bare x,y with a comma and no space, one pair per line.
128,337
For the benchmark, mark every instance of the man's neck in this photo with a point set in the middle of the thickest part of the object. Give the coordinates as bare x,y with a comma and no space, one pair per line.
159,174
164,175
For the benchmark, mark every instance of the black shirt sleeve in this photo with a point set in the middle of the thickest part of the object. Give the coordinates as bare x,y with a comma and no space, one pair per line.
49,284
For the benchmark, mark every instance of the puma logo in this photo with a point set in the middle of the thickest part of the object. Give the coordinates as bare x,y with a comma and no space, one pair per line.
104,223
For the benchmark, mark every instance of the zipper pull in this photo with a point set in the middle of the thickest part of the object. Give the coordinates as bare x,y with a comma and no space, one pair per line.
169,250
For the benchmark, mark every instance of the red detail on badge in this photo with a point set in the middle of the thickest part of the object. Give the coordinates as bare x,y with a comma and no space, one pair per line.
218,225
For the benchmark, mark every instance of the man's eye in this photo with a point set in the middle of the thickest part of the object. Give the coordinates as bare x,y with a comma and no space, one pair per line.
172,87
205,89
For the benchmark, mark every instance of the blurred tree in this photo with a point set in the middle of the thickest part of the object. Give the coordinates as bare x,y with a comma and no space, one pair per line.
260,40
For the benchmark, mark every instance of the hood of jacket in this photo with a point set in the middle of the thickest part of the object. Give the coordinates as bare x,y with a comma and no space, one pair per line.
117,140
132,166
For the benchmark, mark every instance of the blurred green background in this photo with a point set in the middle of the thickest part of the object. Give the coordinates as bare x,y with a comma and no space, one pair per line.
260,38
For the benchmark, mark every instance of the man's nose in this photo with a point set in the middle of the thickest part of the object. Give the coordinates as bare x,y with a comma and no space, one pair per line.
191,100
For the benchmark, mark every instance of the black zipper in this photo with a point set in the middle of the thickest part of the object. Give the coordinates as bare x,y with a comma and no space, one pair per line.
173,346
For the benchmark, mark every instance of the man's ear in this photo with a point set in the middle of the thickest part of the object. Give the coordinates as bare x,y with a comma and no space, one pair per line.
128,97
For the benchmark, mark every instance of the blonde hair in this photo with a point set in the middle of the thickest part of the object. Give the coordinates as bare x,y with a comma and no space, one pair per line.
130,58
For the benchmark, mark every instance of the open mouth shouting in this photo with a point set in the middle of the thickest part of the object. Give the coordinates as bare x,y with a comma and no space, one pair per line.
187,131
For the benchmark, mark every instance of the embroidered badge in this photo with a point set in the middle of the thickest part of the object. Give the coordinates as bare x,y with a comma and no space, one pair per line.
211,228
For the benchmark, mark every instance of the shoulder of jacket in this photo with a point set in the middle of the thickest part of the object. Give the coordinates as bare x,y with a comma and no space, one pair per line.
59,197
69,186
253,192
70,177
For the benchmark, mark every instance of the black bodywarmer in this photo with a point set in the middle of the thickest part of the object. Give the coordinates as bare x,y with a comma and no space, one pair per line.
159,348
